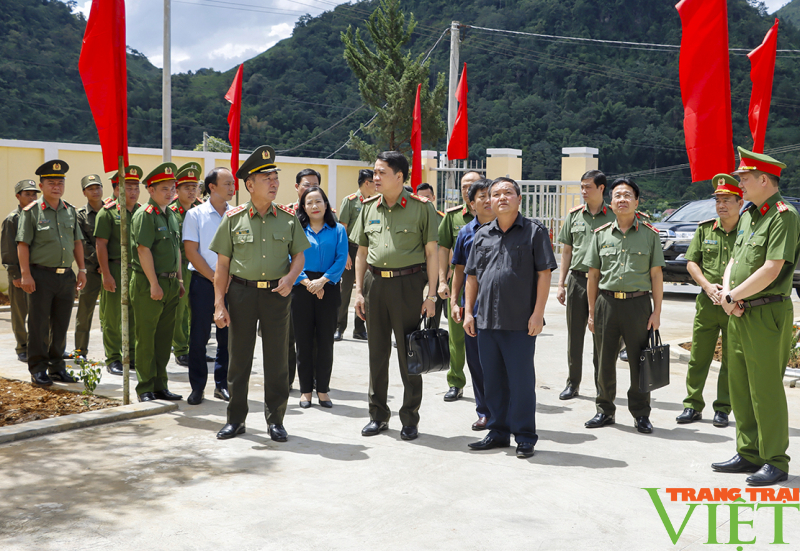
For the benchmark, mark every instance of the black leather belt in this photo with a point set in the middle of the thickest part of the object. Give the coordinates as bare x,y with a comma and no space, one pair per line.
258,284
118,261
167,275
58,271
764,300
394,273
578,273
622,295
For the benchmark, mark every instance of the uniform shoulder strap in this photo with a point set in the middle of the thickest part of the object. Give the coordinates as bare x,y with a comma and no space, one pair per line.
236,210
174,208
110,205
352,196
372,198
576,209
285,209
30,205
651,226
781,206
149,209
604,226
454,209
706,221
418,198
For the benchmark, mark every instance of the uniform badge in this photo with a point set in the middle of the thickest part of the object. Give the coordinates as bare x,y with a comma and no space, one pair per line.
374,221
56,166
167,170
91,177
781,206
265,154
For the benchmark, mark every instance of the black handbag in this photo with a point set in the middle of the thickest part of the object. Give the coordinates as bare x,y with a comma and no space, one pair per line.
654,364
428,350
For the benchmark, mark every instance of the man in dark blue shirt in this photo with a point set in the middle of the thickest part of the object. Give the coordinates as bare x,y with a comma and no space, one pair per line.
509,272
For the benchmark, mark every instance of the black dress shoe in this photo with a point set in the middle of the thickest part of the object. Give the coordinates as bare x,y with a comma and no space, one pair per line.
222,394
146,397
689,415
736,464
409,433
643,424
182,360
453,394
230,430
305,404
568,393
66,356
63,376
166,395
524,450
115,367
362,336
195,397
325,403
278,433
720,419
23,357
488,443
373,428
599,420
41,379
337,336
767,476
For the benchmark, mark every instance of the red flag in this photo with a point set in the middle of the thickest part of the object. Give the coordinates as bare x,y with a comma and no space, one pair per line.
416,143
706,87
458,147
103,70
234,96
762,69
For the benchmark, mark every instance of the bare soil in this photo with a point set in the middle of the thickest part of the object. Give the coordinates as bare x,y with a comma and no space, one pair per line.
22,402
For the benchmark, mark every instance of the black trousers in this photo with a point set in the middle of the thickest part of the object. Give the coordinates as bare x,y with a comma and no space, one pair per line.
201,299
348,279
49,311
315,322
577,319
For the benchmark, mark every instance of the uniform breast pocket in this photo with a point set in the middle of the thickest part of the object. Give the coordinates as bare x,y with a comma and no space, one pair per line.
242,246
710,256
608,257
406,237
578,232
639,260
756,250
281,241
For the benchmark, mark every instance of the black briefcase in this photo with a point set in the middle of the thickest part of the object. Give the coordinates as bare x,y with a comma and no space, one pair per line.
654,364
428,349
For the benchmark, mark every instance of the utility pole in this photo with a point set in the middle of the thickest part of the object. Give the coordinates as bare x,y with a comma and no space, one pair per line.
205,141
452,107
166,92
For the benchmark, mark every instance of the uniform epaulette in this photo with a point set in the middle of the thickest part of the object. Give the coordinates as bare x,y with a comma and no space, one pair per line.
373,198
575,209
781,206
73,206
454,209
236,210
110,205
440,213
174,208
149,209
604,226
352,196
641,214
29,206
418,198
284,208
108,200
706,221
652,227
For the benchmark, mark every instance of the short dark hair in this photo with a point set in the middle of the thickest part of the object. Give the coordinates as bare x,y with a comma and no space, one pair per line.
470,171
597,177
771,177
308,172
408,188
483,183
504,179
302,215
396,161
425,185
628,181
211,178
363,175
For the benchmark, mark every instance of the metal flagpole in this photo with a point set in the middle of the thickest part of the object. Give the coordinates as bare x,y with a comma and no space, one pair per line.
166,100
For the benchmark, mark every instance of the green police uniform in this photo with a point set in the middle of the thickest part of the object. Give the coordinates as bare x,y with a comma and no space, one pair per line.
158,231
348,214
395,238
454,219
180,338
51,236
624,261
87,299
577,232
760,340
436,320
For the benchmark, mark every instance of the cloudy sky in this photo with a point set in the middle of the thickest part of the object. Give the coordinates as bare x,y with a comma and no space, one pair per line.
220,34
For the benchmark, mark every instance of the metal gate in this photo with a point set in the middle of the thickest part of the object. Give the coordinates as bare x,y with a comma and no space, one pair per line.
549,201
448,185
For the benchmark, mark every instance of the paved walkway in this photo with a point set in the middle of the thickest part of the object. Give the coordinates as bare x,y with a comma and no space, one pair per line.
165,482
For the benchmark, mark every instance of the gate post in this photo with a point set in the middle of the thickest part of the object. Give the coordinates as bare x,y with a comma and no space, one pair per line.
577,162
504,162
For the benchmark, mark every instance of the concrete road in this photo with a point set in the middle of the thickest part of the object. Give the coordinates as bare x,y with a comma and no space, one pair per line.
166,483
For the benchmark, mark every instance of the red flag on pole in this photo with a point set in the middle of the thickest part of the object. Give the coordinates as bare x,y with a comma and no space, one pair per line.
234,96
762,71
103,70
458,147
706,87
416,143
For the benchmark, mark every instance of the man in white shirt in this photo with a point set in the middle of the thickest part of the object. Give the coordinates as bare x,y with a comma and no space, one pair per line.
199,227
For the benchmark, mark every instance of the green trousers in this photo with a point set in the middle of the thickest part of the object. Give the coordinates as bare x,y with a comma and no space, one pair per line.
180,337
455,375
19,315
758,352
393,307
86,303
577,318
155,322
111,317
250,307
709,320
625,318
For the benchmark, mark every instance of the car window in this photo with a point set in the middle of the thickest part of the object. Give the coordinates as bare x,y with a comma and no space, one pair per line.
696,211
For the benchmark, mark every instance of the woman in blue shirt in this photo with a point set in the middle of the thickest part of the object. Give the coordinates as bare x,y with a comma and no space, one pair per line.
316,295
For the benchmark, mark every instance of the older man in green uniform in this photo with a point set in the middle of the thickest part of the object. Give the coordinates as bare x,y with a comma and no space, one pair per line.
396,235
454,219
260,254
186,181
108,233
755,291
48,239
708,256
92,187
25,191
156,284
625,261
576,236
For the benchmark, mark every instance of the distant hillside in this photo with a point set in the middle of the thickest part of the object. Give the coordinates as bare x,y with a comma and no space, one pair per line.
790,12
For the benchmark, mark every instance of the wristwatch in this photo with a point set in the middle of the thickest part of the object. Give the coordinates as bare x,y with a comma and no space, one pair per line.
729,298
432,298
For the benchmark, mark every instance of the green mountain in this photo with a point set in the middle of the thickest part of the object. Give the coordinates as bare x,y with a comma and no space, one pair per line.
790,12
537,94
